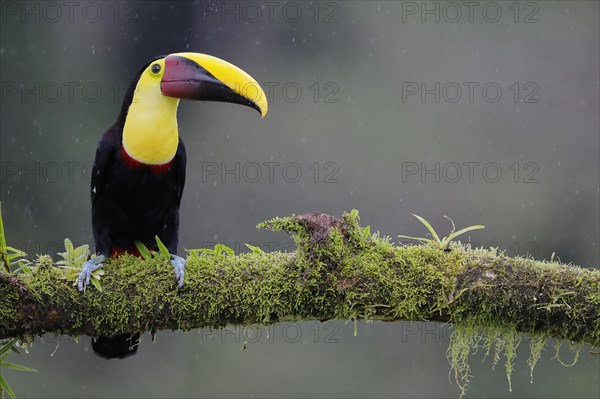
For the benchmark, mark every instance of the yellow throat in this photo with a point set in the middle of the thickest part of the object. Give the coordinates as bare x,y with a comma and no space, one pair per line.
150,134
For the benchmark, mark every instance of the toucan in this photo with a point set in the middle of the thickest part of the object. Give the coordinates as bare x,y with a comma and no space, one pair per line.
138,173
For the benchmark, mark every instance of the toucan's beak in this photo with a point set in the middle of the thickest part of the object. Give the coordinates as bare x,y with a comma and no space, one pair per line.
194,76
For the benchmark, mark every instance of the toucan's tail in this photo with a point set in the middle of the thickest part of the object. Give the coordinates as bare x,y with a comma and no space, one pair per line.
120,346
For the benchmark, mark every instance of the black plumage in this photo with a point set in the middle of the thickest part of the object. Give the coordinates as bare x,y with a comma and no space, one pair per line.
134,198
132,201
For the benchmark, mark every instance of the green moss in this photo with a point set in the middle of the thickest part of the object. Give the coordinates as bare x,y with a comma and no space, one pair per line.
574,349
462,342
339,271
537,344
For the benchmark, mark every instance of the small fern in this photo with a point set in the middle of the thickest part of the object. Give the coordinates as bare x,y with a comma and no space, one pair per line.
221,250
143,250
254,249
73,260
5,350
11,256
441,243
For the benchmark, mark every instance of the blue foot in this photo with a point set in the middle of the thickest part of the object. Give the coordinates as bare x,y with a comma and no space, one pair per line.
179,265
87,269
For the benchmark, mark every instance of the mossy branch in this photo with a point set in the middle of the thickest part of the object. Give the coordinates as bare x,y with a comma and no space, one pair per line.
339,271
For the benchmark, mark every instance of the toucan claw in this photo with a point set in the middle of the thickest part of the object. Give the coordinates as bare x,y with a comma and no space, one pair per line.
179,265
87,269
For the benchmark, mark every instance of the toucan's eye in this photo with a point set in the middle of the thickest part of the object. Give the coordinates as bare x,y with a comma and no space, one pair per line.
155,69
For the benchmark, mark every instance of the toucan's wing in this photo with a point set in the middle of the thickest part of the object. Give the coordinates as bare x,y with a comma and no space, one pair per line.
101,204
170,221
104,159
180,162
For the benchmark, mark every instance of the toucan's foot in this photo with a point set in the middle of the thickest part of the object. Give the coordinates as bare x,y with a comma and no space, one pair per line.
179,265
87,269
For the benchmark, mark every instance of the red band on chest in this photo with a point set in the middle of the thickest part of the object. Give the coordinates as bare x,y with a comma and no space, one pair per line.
135,164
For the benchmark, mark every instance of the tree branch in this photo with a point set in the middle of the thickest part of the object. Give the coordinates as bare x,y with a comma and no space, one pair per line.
339,271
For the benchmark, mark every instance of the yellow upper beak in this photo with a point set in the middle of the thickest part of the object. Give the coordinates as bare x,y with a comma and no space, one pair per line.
211,78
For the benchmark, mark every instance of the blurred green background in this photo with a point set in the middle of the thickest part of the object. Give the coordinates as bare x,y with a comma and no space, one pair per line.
345,130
